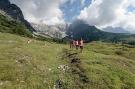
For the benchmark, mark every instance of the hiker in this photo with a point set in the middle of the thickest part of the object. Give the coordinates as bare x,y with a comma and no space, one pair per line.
71,43
29,41
76,44
81,44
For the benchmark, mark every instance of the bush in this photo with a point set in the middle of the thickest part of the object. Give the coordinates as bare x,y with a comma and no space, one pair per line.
131,43
119,52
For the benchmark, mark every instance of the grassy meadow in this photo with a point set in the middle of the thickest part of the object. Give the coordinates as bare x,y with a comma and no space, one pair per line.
49,65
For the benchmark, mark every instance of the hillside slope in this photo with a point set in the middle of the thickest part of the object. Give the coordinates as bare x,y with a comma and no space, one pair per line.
8,25
15,13
48,65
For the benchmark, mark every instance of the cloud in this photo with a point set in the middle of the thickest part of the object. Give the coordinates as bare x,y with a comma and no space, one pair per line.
82,2
45,11
104,13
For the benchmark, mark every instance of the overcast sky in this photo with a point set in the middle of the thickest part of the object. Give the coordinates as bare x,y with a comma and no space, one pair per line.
101,13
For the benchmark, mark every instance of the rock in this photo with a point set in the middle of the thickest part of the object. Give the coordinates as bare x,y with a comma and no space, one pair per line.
58,84
15,12
4,3
49,69
55,31
4,82
22,81
1,83
63,67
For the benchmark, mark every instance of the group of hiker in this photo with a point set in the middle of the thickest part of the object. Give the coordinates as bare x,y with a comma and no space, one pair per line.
77,44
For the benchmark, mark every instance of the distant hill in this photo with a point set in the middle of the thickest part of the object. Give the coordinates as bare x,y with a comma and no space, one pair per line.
79,29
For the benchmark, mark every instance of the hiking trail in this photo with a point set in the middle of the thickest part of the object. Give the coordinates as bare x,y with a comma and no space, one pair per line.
76,69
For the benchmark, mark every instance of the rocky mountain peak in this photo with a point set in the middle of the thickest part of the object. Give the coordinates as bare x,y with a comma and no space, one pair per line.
14,12
4,3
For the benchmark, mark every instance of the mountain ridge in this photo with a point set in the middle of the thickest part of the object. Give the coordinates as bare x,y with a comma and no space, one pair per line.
15,12
80,29
55,31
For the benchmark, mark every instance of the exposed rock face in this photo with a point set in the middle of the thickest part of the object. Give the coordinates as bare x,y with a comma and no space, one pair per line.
55,31
15,12
4,3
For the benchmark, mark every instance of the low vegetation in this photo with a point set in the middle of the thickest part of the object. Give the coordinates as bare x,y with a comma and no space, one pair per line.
49,65
8,25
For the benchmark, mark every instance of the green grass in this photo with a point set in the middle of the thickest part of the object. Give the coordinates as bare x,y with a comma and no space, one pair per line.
8,25
35,65
109,66
28,66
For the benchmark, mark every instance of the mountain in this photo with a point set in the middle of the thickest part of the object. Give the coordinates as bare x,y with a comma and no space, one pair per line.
55,31
4,3
14,12
12,20
79,29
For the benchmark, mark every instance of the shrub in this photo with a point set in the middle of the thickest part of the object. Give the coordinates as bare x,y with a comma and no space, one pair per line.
119,52
11,26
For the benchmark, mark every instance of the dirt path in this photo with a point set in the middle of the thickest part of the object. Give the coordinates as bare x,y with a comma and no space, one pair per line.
78,72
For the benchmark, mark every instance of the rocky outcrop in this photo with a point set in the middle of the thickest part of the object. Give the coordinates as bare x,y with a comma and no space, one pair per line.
4,3
55,31
15,12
